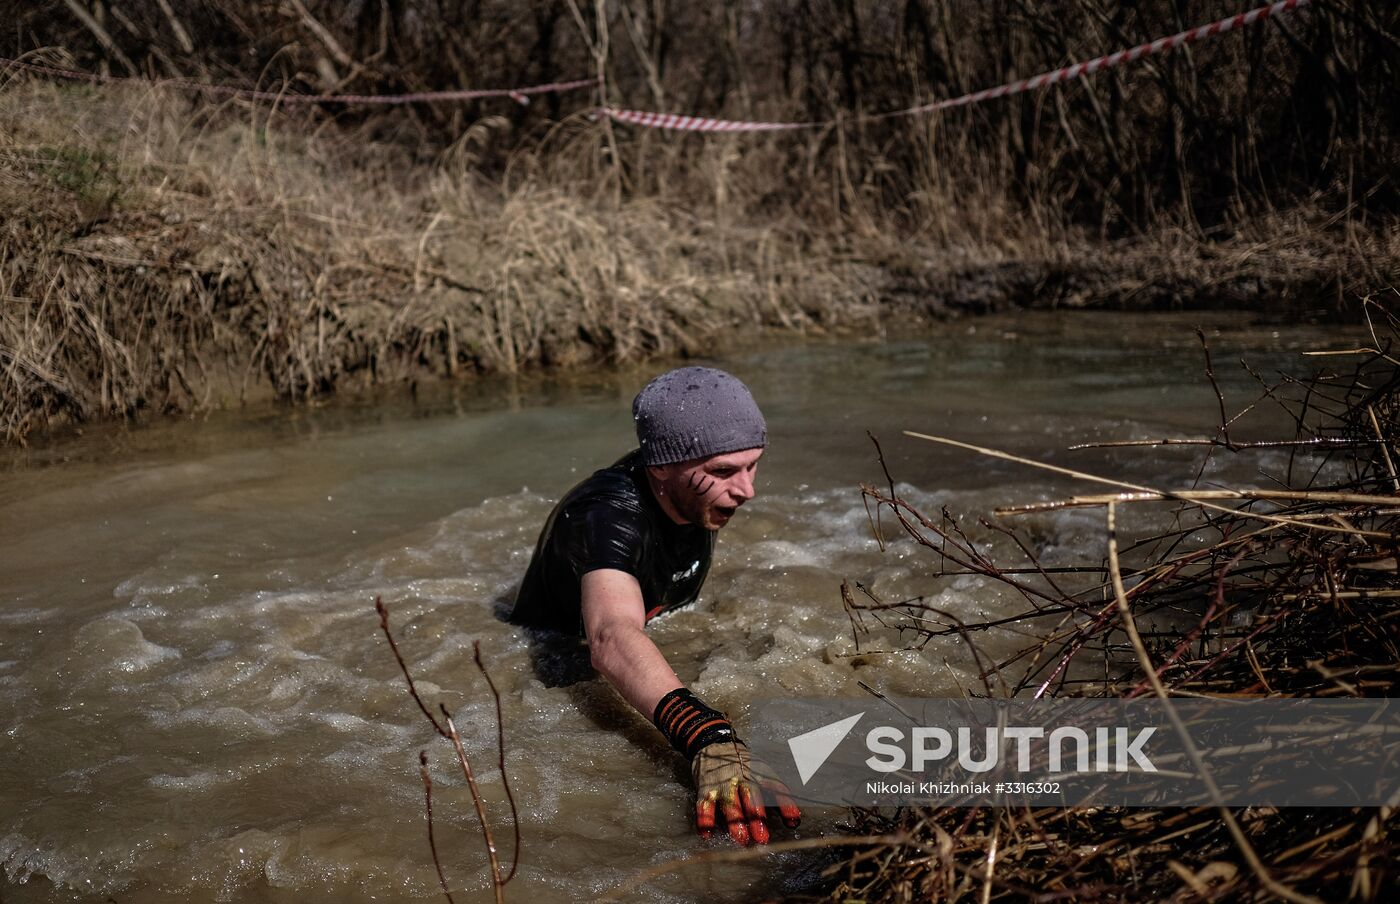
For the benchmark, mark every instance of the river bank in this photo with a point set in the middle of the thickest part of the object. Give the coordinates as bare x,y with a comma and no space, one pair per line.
164,257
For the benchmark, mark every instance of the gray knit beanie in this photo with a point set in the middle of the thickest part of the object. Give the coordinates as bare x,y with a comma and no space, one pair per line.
696,412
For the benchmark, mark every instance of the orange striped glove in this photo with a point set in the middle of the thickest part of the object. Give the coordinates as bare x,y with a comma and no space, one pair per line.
728,780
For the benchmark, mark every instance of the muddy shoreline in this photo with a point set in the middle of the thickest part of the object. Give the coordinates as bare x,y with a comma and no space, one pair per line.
904,303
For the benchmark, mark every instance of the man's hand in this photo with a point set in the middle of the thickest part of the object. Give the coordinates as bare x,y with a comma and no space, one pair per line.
730,784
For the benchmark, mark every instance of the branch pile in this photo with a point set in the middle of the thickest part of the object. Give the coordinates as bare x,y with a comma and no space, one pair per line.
1285,591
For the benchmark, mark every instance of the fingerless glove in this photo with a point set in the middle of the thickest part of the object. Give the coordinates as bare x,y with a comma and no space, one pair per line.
689,724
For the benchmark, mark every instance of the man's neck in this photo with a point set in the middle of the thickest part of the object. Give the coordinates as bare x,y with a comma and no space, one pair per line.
662,499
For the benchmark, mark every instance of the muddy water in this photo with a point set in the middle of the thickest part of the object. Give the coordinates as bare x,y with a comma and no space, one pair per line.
197,704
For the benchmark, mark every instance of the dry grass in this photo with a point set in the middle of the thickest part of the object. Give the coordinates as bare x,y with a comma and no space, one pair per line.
164,255
156,257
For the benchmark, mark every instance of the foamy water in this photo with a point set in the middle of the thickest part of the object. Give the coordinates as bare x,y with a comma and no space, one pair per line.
198,705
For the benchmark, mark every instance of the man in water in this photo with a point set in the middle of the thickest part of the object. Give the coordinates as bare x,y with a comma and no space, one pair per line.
634,541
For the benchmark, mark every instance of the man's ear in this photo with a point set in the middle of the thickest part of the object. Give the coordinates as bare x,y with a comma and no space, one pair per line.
663,476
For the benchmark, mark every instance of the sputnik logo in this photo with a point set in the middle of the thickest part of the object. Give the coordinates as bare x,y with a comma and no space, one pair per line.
811,750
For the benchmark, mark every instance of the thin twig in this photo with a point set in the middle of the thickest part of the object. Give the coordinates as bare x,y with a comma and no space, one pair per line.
497,884
501,759
1199,495
1219,396
103,37
451,733
1385,447
1081,475
403,667
1145,661
428,805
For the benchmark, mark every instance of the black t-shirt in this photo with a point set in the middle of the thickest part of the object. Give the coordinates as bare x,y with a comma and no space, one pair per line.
611,520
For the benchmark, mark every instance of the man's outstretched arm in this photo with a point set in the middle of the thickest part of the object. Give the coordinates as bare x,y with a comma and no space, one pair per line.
613,620
727,784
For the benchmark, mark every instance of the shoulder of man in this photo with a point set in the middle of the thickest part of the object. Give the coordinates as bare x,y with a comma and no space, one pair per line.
618,486
610,506
604,522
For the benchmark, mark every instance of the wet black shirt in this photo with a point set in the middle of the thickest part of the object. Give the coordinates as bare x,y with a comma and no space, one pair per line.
611,520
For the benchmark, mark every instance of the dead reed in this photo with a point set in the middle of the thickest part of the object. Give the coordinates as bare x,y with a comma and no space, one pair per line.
158,256
1289,591
164,255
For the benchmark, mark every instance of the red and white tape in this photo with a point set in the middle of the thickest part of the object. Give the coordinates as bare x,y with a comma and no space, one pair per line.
699,123
520,95
1161,45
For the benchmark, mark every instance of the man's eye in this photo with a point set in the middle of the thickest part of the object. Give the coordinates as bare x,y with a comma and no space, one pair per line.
723,472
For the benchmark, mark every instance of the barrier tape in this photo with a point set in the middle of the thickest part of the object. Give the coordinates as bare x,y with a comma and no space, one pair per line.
519,95
701,123
1133,54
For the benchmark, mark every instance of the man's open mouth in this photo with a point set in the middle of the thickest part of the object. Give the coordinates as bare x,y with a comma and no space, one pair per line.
726,511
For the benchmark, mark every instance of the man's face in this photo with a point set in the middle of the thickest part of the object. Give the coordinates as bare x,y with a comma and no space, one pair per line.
707,491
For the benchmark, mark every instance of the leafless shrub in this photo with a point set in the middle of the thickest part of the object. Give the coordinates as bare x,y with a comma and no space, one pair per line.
1285,591
447,729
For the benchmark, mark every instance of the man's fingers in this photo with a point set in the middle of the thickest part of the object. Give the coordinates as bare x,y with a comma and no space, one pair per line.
792,816
705,816
758,830
737,791
733,812
729,805
752,801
